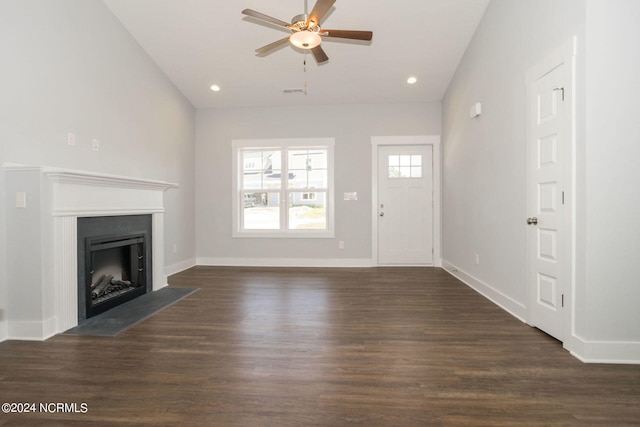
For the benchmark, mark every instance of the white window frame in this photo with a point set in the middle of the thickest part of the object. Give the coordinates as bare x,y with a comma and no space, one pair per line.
282,144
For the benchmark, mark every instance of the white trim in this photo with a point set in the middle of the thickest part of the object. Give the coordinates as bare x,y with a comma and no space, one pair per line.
159,279
72,176
283,234
564,55
3,330
285,262
104,211
65,258
513,307
434,141
180,266
33,330
620,352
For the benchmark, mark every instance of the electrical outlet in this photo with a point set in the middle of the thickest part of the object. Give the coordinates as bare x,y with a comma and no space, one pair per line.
175,249
95,144
71,138
341,244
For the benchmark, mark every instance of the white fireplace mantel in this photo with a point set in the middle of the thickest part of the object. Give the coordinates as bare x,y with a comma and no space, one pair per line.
42,239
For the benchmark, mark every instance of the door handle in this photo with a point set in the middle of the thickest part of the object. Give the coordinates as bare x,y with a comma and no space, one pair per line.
381,214
532,221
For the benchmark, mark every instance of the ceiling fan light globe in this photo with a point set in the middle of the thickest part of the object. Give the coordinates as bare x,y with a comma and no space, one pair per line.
305,39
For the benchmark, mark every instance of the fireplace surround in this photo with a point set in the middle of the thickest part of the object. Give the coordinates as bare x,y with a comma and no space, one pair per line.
44,205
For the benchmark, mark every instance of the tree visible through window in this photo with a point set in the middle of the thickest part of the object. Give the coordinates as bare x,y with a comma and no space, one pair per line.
286,189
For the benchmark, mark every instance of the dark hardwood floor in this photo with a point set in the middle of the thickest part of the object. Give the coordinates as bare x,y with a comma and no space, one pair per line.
319,347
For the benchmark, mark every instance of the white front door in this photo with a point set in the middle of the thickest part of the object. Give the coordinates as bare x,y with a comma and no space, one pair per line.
547,189
405,205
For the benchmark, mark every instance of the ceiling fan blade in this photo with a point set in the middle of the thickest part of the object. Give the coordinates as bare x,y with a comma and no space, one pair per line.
264,17
347,34
319,54
272,46
319,10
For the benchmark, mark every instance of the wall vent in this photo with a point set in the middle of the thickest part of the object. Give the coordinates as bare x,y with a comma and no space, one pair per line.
293,91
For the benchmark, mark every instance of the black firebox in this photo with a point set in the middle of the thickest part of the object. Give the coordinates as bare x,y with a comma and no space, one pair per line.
114,262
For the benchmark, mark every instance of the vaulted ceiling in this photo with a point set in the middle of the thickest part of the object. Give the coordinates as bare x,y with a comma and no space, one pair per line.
198,43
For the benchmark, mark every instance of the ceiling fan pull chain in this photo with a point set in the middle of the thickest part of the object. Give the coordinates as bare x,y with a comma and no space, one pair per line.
304,69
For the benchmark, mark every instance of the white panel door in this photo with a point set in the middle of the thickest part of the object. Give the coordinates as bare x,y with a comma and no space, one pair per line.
545,200
405,205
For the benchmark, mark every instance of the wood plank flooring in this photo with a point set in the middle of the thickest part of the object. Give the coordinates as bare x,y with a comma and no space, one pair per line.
319,347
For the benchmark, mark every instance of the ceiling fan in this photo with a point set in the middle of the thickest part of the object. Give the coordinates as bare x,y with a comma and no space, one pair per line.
306,30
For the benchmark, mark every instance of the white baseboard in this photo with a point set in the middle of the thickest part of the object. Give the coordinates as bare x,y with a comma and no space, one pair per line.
285,262
181,266
3,330
613,352
508,304
32,330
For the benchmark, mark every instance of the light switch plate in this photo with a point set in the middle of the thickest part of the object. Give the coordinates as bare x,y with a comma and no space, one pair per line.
21,200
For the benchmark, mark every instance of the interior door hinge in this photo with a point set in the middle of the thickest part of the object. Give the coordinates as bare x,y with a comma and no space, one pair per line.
562,300
560,89
563,197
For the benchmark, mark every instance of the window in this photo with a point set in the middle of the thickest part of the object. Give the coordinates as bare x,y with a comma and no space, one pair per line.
283,188
405,166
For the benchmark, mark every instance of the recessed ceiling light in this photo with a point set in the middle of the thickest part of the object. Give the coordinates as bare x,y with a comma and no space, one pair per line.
215,88
411,80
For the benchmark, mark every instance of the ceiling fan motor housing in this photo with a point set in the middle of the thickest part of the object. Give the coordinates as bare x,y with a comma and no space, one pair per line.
300,21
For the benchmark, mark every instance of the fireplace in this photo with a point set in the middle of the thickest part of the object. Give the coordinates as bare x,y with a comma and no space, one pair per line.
43,262
114,261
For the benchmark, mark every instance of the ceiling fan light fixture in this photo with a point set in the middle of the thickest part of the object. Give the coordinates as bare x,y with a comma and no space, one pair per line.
305,39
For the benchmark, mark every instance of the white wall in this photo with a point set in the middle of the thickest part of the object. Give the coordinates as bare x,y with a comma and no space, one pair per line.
3,259
69,66
485,163
351,125
612,253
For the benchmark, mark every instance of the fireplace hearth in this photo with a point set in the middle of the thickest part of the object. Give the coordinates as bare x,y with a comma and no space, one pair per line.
114,262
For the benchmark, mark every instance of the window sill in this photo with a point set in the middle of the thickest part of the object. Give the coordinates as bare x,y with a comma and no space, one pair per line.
278,234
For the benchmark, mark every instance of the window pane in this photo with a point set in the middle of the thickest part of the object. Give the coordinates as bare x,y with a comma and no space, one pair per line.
394,160
308,168
261,169
416,172
405,160
312,179
261,211
416,160
307,210
313,158
405,172
251,168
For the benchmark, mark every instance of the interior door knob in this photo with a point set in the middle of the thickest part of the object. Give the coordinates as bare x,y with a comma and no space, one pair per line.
381,214
532,221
